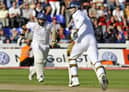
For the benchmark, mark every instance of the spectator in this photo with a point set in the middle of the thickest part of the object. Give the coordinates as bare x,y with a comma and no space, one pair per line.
110,35
38,9
30,1
14,35
121,3
8,3
120,35
102,23
118,13
2,36
93,11
111,4
27,34
102,18
41,1
19,2
4,16
100,11
61,33
55,4
32,4
106,15
1,3
54,33
47,8
98,2
26,12
111,22
14,12
98,31
21,39
99,34
118,23
126,31
67,14
126,12
107,12
67,2
63,7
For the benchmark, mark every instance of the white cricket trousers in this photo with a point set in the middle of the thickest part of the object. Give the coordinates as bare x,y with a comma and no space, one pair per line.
85,43
55,7
40,52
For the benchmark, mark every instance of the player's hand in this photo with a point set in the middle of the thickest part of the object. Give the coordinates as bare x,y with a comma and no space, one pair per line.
74,34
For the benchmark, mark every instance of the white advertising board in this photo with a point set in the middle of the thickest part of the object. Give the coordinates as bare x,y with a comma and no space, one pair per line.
7,57
115,55
57,57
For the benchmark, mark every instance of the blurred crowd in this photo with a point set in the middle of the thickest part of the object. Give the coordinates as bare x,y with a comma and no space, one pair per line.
110,19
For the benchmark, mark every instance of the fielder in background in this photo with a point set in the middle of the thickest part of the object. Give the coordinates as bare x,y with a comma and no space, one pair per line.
84,40
26,58
40,45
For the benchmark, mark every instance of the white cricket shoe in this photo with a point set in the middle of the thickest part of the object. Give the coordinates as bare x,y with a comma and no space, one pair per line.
31,73
30,77
103,82
41,79
74,82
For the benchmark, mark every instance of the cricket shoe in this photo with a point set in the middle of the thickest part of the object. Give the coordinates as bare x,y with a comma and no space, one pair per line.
41,79
31,73
74,82
30,77
103,82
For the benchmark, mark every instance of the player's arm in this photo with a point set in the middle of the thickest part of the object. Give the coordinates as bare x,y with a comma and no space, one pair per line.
78,21
73,30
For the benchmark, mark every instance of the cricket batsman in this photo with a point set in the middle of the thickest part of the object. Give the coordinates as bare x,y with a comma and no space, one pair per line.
84,40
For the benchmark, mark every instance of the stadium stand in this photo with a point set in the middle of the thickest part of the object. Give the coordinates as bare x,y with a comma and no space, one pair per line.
110,21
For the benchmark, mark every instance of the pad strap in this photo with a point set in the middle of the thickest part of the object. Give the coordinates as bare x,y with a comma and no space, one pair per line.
101,67
74,76
73,65
71,59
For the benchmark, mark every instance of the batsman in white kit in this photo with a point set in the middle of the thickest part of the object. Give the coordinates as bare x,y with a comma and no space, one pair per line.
40,46
84,41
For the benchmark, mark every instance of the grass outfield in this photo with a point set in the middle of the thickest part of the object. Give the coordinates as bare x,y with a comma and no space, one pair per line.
117,78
